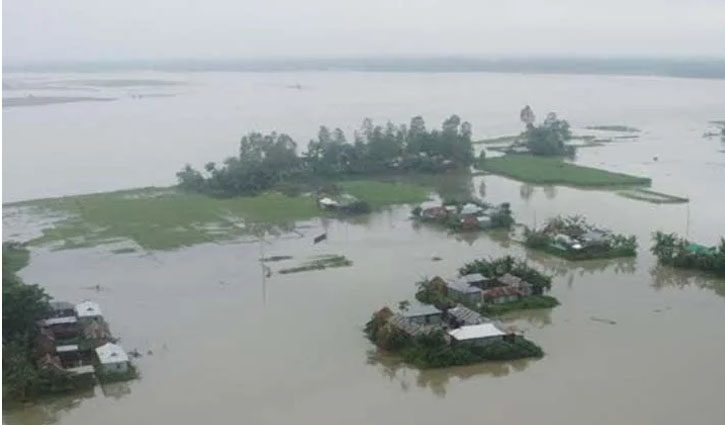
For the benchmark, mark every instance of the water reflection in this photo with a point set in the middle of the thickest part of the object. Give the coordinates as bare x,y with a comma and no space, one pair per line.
561,267
47,410
670,277
436,380
526,191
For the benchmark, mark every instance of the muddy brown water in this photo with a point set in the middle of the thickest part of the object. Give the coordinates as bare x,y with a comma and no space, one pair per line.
230,345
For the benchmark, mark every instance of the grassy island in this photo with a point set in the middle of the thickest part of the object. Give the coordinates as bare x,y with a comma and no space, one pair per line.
575,239
552,170
675,251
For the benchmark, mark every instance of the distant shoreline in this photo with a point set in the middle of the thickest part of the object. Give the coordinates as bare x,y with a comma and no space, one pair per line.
713,68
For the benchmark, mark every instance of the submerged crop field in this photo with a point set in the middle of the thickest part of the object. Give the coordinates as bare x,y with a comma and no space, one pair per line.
166,218
546,170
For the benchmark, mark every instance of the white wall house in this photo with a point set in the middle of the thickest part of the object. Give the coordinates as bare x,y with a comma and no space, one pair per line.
112,358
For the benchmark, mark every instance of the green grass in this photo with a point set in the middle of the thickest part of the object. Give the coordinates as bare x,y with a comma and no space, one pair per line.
546,170
15,257
165,218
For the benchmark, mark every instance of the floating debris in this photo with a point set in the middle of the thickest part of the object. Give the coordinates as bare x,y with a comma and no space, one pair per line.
320,238
607,321
276,258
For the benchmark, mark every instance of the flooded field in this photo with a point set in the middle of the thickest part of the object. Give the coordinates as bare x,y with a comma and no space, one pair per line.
630,343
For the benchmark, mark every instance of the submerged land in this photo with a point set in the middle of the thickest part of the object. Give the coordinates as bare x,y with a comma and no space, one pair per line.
551,170
169,218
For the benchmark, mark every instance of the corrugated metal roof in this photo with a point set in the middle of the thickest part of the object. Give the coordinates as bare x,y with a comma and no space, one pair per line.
406,325
415,310
111,353
88,309
466,316
61,305
58,321
484,330
460,285
474,278
66,348
501,291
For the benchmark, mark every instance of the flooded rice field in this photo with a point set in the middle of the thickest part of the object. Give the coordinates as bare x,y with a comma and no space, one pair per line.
223,342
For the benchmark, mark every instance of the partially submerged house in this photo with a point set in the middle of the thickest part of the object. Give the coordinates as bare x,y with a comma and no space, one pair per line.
61,327
478,280
406,326
112,358
481,334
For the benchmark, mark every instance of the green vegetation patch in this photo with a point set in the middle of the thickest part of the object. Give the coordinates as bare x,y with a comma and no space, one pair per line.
320,263
163,218
675,251
546,170
652,196
529,303
621,128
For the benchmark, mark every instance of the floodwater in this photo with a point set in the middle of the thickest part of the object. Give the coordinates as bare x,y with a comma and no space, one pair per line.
229,345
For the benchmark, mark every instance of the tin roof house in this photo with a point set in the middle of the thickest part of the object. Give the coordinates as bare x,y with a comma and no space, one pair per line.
112,358
88,311
461,315
422,314
481,334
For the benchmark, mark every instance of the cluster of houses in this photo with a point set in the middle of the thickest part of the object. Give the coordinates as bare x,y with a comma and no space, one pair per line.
589,239
477,289
469,215
460,324
76,338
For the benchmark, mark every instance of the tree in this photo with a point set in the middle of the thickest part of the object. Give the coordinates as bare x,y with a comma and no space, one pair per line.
548,138
527,116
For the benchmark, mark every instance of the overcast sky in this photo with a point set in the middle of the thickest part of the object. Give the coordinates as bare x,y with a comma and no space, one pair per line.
38,30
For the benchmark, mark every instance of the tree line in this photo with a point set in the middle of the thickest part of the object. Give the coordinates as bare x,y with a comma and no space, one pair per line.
23,306
265,160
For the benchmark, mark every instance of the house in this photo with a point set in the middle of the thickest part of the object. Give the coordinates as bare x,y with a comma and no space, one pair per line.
62,309
525,288
500,295
477,279
481,334
461,290
88,311
61,327
460,315
434,213
484,221
406,326
328,204
594,238
469,222
68,354
471,209
112,358
423,314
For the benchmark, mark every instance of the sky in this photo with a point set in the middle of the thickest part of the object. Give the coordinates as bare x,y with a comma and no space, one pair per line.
98,30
